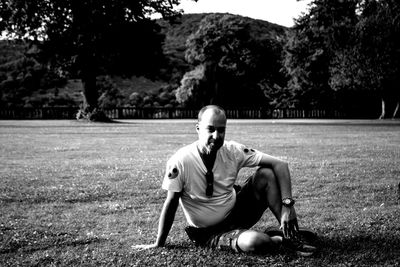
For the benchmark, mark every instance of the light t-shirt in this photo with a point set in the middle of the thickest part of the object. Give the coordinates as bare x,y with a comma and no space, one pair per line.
186,173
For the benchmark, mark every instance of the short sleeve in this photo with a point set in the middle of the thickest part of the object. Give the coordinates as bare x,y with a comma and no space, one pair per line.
173,178
246,156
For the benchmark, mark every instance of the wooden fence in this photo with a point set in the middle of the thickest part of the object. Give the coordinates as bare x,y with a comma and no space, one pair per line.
166,113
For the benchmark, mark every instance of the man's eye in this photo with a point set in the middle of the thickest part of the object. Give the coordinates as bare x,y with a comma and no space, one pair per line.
213,129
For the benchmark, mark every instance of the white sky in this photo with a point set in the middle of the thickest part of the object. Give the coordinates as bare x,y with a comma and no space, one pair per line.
280,12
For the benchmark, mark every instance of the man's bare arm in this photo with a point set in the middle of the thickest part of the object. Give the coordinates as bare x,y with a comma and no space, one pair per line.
166,220
288,218
167,217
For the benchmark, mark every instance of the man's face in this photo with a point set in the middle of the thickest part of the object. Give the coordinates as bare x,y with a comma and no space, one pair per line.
211,131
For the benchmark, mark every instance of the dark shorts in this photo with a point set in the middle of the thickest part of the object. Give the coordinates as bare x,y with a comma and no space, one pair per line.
246,213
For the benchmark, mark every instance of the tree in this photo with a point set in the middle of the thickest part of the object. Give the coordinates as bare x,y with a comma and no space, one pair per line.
21,74
370,66
345,54
378,51
91,36
313,47
189,91
229,63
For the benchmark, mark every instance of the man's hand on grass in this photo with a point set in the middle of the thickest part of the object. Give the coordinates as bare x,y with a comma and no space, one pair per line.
144,247
289,224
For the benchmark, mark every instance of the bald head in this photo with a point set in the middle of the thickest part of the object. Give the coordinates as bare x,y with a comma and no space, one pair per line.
211,129
211,109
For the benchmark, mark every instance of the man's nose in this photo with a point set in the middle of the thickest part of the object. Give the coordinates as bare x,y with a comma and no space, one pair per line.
216,134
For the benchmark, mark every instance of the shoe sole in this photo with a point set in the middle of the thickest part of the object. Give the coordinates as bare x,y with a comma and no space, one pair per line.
304,254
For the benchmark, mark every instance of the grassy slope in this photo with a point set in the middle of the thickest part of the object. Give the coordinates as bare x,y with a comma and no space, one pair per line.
83,194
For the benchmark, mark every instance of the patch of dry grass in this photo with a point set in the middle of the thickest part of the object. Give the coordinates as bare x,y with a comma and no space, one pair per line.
83,194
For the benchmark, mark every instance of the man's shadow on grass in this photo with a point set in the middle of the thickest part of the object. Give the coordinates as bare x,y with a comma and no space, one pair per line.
369,248
374,248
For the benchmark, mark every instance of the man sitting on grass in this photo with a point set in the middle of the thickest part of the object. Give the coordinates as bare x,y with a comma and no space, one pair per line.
202,176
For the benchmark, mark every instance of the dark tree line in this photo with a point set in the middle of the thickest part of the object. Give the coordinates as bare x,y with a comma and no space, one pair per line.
340,55
91,37
346,54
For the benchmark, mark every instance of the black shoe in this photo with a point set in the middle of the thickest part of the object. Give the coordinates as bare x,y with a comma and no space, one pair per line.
273,231
300,247
304,244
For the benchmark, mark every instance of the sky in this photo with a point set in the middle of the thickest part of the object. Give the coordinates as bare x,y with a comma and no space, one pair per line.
280,12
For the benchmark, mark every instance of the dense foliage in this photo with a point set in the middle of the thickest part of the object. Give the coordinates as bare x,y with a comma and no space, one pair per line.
341,55
91,37
21,75
142,92
311,48
230,64
345,54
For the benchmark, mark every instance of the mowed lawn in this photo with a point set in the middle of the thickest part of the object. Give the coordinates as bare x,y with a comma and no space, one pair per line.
75,193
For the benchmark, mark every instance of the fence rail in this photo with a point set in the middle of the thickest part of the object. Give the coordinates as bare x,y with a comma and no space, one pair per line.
166,113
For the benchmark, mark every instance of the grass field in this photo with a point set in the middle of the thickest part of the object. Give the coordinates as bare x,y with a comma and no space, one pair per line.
73,193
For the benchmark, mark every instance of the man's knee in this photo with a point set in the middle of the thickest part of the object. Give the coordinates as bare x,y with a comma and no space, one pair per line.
253,241
263,177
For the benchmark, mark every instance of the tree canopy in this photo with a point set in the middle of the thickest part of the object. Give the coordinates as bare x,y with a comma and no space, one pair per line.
229,64
90,37
311,49
345,54
341,55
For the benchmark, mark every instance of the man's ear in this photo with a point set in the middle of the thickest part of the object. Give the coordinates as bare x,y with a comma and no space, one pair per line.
197,127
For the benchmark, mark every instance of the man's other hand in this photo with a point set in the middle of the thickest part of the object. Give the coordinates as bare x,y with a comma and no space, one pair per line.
144,247
289,224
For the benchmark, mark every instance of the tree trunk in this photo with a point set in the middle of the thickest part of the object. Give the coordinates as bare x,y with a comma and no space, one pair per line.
90,94
211,70
382,116
90,109
395,110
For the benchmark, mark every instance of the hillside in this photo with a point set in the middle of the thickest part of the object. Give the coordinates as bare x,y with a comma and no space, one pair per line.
177,33
12,72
